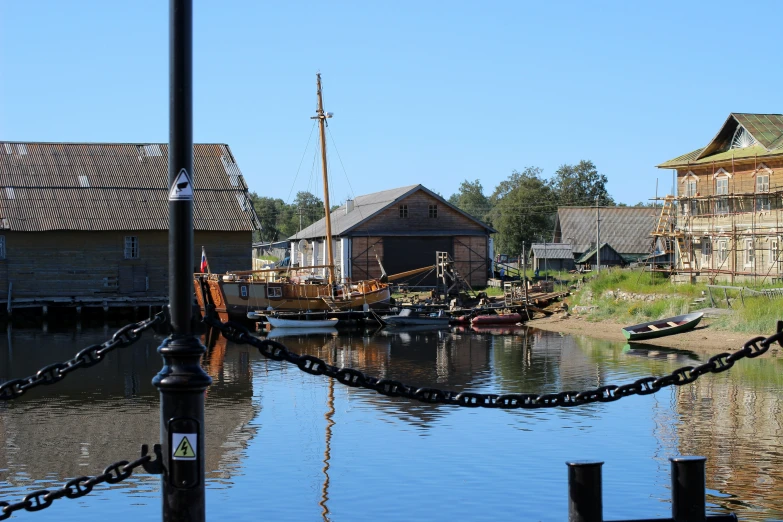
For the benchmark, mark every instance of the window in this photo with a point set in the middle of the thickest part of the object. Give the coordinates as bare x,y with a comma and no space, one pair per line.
2,247
131,247
762,183
243,290
690,188
774,251
433,211
274,292
722,188
706,248
762,203
749,252
723,251
403,211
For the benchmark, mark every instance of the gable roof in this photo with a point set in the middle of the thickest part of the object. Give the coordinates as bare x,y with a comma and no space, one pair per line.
626,229
115,186
587,255
366,207
766,129
552,250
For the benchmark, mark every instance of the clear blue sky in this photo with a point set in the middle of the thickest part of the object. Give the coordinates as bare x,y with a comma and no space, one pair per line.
423,92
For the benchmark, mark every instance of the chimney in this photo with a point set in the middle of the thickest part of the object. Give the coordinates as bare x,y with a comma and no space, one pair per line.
348,205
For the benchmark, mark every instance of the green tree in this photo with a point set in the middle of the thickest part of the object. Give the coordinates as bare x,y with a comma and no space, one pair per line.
305,210
580,185
523,210
268,211
470,198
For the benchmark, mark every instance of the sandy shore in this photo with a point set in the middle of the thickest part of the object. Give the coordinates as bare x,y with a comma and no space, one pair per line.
703,339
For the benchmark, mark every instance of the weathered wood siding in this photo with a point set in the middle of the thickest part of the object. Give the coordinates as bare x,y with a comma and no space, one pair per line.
418,219
470,259
92,264
364,264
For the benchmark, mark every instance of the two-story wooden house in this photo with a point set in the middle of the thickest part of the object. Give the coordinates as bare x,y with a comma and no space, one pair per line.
729,221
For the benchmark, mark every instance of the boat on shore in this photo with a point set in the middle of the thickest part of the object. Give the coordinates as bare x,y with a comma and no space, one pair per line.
662,327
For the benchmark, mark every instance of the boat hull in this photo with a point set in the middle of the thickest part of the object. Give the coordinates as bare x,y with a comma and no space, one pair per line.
276,322
397,320
496,319
662,327
234,298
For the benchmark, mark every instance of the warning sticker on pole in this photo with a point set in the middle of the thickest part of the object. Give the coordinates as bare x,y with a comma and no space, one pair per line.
184,446
182,189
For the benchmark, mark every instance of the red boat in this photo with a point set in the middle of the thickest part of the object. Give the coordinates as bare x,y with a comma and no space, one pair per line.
496,319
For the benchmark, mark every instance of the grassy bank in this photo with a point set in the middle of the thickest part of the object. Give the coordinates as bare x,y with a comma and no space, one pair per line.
632,296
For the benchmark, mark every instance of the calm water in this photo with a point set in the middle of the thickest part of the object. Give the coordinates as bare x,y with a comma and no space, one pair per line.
283,445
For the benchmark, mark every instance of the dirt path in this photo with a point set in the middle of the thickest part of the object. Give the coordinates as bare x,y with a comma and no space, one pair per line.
701,340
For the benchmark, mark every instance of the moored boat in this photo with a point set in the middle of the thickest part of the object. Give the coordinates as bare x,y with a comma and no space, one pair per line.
512,318
277,322
287,289
407,317
662,327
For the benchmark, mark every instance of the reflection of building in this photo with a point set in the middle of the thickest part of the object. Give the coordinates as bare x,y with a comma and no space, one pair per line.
728,224
736,423
103,414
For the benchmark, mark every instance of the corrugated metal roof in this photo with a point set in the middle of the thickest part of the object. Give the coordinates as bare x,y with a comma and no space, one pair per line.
365,207
552,250
115,186
767,129
626,229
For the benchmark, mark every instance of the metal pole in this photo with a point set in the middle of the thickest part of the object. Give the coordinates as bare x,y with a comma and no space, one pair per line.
597,236
181,382
585,503
688,489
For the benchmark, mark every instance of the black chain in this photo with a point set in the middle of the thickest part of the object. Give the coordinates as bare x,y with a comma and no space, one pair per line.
80,486
90,356
721,362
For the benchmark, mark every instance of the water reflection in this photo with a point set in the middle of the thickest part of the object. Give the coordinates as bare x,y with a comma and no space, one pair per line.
332,452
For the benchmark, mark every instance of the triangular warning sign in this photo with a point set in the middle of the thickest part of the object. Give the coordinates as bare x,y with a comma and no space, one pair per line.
182,189
185,449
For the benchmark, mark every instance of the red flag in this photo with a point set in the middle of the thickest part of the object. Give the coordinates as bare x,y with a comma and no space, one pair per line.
204,264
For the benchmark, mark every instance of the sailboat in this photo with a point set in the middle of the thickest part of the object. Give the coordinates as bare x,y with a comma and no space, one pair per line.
291,289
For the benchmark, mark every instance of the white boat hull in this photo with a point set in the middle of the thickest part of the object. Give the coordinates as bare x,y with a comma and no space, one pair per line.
276,322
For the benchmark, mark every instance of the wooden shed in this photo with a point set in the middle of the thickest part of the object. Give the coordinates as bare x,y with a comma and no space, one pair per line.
402,228
552,256
609,257
86,224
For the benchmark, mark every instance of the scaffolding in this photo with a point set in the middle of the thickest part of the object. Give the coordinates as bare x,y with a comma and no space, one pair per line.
731,233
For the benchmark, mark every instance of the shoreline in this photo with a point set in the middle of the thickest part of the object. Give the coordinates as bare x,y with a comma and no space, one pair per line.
703,339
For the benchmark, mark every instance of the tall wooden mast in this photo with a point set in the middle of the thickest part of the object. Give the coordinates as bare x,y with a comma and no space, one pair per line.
321,117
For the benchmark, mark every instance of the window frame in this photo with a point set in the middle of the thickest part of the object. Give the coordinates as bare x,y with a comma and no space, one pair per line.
403,211
764,186
750,252
131,247
2,247
722,189
706,248
274,292
690,188
723,251
433,211
774,251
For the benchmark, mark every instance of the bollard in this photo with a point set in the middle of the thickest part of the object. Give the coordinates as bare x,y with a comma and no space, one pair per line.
584,491
182,381
688,489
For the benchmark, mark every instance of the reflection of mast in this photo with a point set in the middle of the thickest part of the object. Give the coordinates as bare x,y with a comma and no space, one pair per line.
327,452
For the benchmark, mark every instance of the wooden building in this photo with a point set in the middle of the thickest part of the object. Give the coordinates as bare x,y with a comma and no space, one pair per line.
551,256
608,257
402,228
86,224
627,230
726,221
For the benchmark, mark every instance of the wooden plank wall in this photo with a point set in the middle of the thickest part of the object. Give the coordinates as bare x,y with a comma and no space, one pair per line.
92,264
364,264
470,259
418,217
